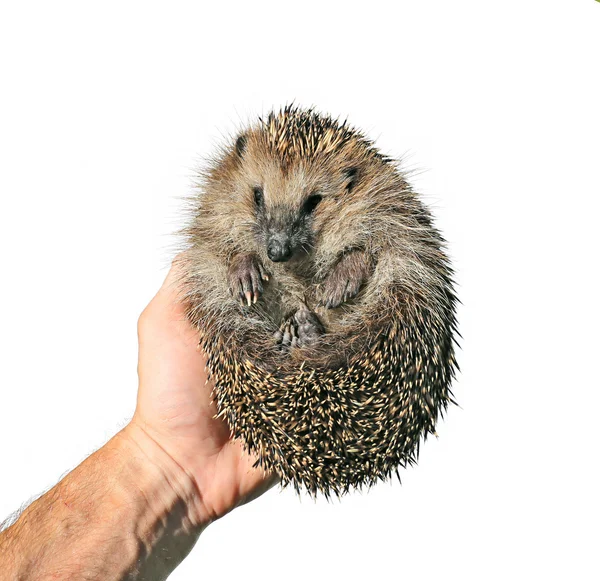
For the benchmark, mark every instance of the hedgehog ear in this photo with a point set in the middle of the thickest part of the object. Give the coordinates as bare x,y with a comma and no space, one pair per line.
351,176
240,145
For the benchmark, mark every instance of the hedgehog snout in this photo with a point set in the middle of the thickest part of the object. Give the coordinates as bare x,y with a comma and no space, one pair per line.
279,248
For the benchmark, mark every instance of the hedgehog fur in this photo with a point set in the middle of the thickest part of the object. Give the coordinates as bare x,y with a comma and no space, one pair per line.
324,301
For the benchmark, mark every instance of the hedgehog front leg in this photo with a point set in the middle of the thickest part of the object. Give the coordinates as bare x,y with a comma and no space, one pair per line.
246,275
346,279
303,328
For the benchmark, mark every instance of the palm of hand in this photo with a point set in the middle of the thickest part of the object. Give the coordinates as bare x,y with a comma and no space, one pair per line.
175,409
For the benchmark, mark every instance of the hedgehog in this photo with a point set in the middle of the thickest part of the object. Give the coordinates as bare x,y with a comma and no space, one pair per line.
324,301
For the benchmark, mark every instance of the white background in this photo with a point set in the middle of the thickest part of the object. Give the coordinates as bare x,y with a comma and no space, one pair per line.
106,108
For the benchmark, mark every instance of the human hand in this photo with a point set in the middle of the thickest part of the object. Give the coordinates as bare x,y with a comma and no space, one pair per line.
174,408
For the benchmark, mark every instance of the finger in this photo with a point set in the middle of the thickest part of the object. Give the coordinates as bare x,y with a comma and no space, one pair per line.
173,281
246,283
287,336
239,287
257,286
268,481
168,304
263,273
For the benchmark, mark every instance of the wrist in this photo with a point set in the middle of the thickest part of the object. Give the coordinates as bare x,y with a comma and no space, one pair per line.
160,480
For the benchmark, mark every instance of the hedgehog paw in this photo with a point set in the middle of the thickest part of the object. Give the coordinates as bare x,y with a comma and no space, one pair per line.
346,279
337,292
245,277
303,328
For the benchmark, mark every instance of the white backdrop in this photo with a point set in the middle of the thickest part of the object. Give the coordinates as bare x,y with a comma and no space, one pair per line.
105,110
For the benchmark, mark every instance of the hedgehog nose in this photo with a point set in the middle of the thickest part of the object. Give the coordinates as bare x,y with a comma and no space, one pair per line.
279,250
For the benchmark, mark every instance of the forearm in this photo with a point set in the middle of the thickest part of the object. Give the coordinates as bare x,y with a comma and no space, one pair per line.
128,511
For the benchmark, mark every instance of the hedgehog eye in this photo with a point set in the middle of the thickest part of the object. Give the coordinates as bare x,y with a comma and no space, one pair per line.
351,175
240,145
258,196
311,203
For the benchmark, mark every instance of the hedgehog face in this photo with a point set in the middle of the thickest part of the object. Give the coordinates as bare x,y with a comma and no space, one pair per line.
289,200
285,229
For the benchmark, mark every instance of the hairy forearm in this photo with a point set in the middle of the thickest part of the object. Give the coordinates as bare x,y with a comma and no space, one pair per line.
127,512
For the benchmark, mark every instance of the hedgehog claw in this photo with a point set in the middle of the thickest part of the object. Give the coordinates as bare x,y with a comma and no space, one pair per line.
303,328
346,279
245,277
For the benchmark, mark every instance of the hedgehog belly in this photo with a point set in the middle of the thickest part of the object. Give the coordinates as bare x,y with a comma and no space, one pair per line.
329,430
